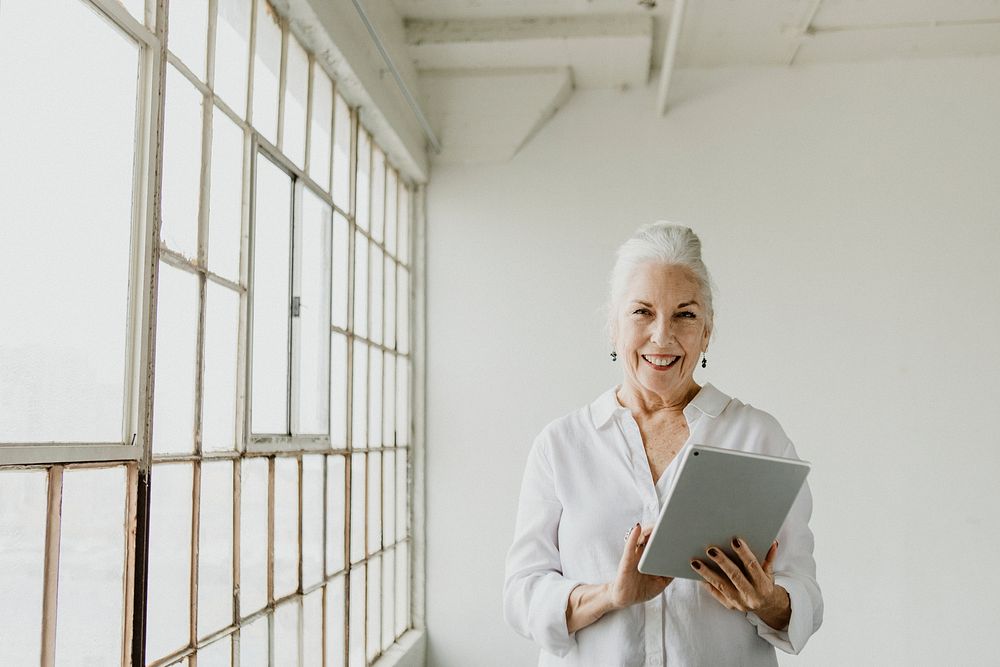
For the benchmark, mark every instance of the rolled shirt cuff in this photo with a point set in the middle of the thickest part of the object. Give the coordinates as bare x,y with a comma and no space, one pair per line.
548,610
800,625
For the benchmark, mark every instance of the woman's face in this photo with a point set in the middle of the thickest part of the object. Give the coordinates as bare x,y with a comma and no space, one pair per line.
661,330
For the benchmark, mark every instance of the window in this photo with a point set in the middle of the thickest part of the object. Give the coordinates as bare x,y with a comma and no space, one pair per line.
274,480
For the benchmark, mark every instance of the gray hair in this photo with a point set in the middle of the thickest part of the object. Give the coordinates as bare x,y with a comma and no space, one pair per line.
663,243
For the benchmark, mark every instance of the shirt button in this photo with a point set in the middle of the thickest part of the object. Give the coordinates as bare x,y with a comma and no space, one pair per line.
655,660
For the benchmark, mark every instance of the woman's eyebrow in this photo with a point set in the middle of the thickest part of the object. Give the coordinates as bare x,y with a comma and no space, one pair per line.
688,303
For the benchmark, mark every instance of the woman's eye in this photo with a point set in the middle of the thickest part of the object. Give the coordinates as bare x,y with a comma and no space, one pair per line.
686,313
641,311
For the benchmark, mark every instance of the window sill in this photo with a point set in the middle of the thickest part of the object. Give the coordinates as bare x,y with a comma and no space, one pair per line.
408,651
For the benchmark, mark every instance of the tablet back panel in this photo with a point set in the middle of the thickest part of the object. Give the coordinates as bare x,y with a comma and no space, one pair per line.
718,494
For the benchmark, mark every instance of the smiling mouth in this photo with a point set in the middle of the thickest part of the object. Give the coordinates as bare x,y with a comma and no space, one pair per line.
661,362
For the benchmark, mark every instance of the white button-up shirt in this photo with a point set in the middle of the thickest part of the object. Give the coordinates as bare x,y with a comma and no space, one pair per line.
587,480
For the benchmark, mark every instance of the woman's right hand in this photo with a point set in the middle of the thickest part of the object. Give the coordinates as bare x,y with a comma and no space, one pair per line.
630,585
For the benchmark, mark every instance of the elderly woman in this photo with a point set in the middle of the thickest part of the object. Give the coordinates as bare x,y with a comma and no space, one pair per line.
604,469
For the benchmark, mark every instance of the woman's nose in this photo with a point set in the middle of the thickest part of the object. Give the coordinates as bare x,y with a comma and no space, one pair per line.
661,332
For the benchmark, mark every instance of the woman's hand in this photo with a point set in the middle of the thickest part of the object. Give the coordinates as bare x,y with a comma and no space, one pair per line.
631,586
747,588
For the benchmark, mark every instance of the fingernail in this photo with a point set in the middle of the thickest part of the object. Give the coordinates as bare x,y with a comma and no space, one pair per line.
696,565
736,543
713,552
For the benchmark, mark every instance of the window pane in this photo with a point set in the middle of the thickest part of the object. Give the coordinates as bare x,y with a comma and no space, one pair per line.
374,502
336,484
378,194
176,351
404,223
362,204
222,319
338,391
376,272
335,602
286,526
266,70
388,598
358,477
341,154
403,311
215,548
64,383
23,500
296,98
286,628
341,269
312,628
321,123
389,498
272,240
226,200
187,33
216,654
253,537
136,8
402,588
359,408
232,53
312,520
402,402
389,401
254,644
375,398
360,284
402,500
389,283
374,581
91,559
312,375
169,560
356,620
391,204
181,164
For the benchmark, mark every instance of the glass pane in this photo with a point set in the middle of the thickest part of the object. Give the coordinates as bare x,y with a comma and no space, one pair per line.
286,526
169,560
335,619
232,53
403,311
338,391
374,502
358,477
135,7
389,498
402,402
391,203
286,629
312,520
378,194
389,401
266,70
390,303
254,644
296,99
23,500
374,581
253,537
91,559
340,280
356,620
360,284
312,628
402,588
216,654
336,505
359,407
176,352
64,383
215,548
312,375
341,154
376,271
222,320
321,125
375,398
402,499
404,223
362,203
270,292
226,200
388,598
181,164
187,33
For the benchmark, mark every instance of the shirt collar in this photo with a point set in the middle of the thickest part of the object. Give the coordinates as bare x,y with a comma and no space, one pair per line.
709,401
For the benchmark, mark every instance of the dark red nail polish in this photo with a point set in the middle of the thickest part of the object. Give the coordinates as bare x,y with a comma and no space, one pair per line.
696,565
712,552
736,543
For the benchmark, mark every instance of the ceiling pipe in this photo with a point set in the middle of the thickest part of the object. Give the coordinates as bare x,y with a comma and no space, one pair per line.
669,56
407,94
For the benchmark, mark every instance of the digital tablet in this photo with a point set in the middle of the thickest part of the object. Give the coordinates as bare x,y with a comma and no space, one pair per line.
717,494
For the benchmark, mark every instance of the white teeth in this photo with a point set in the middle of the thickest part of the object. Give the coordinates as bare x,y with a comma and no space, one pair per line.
663,363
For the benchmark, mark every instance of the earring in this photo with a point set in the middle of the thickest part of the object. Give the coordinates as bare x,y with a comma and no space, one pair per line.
614,356
704,360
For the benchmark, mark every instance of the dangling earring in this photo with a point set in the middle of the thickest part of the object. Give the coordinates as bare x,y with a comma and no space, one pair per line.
614,356
704,360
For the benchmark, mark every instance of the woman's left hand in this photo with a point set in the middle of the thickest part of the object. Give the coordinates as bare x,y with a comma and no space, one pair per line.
747,588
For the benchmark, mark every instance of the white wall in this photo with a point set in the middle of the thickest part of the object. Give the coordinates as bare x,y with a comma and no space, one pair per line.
851,218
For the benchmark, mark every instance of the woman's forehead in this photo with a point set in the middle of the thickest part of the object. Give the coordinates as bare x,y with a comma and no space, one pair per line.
659,281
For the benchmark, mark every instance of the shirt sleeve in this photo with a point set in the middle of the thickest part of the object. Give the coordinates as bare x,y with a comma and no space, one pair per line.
535,592
795,571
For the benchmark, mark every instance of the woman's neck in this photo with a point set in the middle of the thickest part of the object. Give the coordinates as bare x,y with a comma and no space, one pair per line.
647,403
